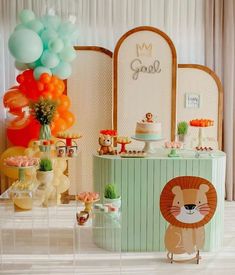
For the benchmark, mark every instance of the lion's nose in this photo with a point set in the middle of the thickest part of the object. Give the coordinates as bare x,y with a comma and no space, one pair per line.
190,206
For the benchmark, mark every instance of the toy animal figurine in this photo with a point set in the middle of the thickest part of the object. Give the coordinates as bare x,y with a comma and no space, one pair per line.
187,203
148,118
105,142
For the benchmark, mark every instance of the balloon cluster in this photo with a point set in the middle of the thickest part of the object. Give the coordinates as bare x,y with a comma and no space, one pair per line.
43,44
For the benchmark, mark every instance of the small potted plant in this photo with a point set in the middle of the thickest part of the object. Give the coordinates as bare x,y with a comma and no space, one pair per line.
45,172
182,130
111,196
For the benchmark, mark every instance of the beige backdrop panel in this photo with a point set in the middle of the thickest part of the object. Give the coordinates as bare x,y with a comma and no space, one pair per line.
200,80
150,92
90,90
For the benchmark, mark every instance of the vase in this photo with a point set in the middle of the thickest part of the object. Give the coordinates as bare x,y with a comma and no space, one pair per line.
181,138
115,202
45,132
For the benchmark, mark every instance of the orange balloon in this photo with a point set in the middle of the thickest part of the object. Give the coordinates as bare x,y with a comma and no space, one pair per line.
54,80
64,103
45,78
47,95
59,126
68,117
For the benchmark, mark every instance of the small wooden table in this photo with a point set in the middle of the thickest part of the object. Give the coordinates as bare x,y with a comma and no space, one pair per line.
140,182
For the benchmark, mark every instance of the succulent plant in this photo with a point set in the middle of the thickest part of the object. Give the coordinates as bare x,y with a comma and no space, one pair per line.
182,128
45,164
110,191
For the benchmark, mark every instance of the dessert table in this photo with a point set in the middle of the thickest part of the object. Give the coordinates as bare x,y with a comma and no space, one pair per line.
140,182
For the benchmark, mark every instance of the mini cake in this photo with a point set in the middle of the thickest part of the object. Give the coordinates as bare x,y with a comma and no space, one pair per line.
148,128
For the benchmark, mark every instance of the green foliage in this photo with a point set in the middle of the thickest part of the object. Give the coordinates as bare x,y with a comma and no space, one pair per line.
43,110
110,191
45,164
182,128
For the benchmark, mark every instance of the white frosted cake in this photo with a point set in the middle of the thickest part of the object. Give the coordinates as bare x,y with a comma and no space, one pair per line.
148,128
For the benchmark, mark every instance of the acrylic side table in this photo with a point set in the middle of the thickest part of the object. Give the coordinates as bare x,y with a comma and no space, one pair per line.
140,182
97,240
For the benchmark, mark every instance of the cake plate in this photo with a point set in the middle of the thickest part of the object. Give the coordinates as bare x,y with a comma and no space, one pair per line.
148,147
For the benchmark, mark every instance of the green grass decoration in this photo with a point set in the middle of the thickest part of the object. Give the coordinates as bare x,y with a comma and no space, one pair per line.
45,165
110,191
182,128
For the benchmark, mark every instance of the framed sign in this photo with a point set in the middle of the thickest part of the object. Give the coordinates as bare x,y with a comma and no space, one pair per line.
200,95
90,91
144,80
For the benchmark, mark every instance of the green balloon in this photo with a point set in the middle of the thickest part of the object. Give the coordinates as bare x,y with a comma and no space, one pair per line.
68,54
47,35
63,70
49,59
35,64
21,66
40,70
26,16
35,25
25,45
20,27
51,21
56,45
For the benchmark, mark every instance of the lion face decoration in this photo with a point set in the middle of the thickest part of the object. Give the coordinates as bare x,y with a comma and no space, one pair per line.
188,202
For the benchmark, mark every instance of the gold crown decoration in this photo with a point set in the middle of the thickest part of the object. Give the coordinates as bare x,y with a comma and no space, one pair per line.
144,49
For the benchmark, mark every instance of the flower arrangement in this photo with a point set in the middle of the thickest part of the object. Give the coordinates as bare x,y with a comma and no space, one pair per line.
44,110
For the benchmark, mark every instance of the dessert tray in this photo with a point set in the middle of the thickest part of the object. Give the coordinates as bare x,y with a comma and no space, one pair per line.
133,154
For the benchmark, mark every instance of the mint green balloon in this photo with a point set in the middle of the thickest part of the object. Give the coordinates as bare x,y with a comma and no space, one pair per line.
56,45
40,70
35,25
63,70
66,29
49,59
25,45
26,16
47,35
68,54
51,21
20,27
67,42
21,66
35,64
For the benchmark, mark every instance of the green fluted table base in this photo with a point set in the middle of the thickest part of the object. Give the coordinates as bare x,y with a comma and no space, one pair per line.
140,182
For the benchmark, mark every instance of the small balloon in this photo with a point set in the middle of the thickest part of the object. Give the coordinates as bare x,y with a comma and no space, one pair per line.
35,25
25,45
49,59
56,45
66,29
68,117
51,21
21,66
68,54
47,35
40,70
20,27
26,16
63,70
64,103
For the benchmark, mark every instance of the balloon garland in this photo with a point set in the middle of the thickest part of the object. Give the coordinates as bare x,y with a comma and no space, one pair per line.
42,48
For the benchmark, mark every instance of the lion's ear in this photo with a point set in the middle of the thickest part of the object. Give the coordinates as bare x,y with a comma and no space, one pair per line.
176,189
204,188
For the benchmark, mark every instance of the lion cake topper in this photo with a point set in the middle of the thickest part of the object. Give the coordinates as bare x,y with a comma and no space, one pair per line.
187,203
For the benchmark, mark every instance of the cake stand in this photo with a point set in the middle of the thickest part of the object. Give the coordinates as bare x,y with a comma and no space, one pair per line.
148,147
200,134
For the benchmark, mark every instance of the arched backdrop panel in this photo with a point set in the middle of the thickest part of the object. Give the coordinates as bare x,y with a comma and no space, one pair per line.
90,90
199,84
144,80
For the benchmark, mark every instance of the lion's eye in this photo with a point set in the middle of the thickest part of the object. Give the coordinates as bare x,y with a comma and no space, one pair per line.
199,202
178,202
